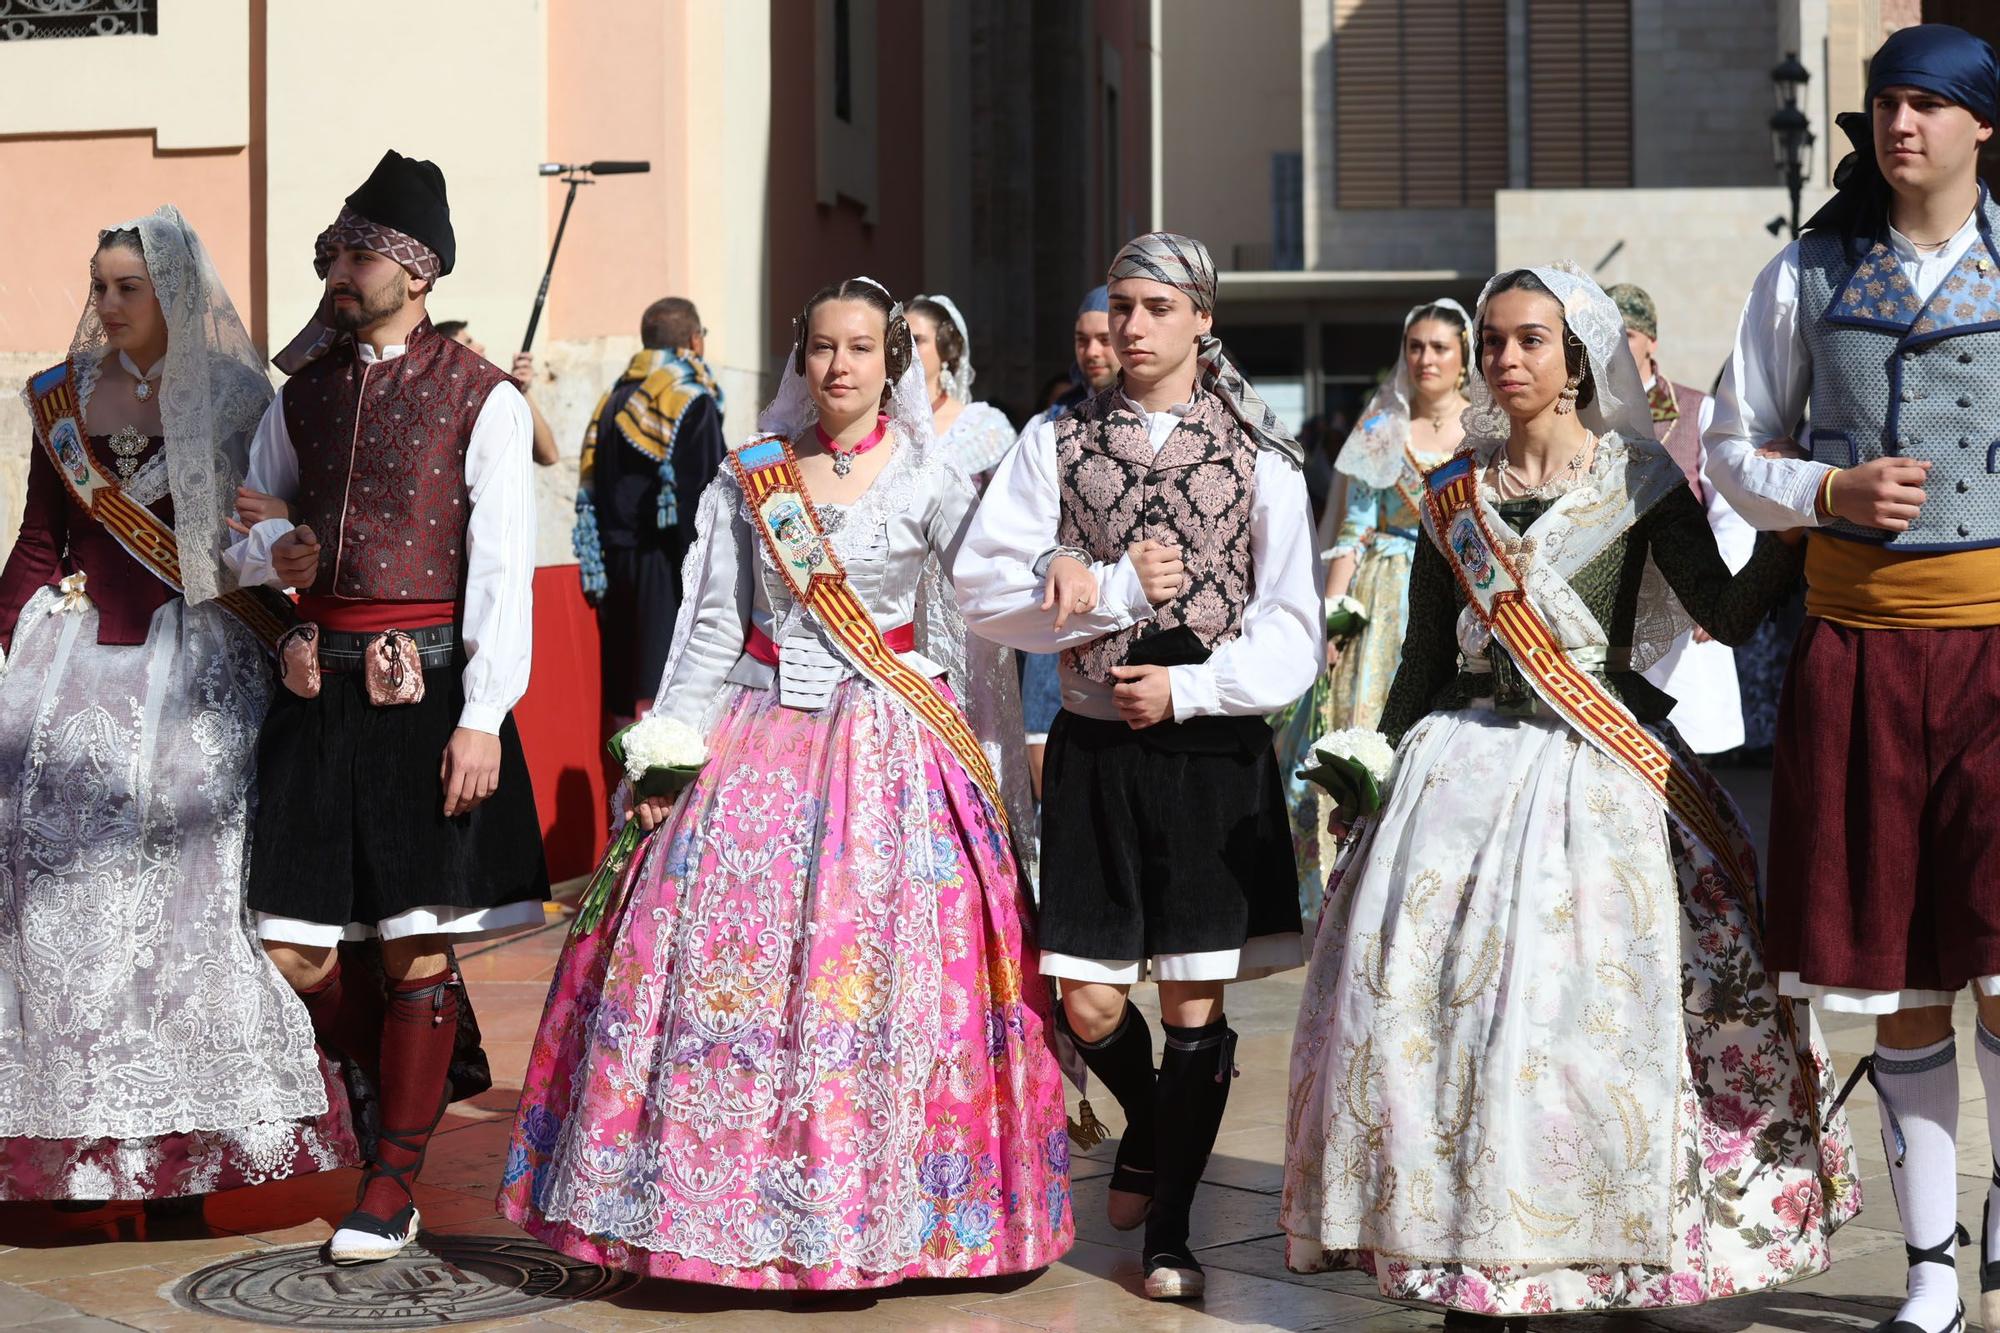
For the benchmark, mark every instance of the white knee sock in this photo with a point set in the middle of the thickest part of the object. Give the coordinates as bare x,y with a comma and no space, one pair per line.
1921,1086
1989,1076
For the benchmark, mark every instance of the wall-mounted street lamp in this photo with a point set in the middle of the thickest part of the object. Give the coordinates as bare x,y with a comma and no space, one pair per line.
1791,133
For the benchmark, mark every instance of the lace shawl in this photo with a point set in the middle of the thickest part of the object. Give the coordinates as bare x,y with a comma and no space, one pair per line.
940,629
1373,454
1631,470
979,439
212,392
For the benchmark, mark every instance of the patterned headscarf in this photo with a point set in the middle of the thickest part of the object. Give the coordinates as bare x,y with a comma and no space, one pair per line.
355,232
1635,307
1183,263
358,233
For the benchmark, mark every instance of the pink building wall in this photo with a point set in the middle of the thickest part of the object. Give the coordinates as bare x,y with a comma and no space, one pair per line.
1122,25
62,189
813,244
613,94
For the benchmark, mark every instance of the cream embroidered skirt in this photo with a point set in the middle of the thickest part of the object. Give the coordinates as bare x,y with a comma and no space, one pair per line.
1539,1066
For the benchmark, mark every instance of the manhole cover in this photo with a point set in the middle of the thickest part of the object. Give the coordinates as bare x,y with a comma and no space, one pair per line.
442,1280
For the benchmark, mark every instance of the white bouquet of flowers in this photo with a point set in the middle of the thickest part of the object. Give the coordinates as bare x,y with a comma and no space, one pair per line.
661,756
662,746
1344,617
1353,765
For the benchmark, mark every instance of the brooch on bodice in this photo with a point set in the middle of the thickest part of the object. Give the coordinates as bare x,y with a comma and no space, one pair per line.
1520,552
127,443
73,597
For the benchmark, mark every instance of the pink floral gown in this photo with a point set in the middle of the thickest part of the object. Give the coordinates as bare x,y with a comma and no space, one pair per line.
808,1048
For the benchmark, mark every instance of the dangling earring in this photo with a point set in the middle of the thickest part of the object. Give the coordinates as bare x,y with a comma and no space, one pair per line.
1566,401
1460,386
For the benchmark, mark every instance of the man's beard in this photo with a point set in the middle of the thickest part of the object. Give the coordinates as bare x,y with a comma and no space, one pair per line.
370,309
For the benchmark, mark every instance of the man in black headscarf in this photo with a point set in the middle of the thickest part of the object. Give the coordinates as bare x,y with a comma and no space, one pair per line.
1884,319
395,800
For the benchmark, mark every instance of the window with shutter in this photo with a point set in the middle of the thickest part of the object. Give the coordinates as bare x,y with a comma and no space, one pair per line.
1420,102
1580,94
28,20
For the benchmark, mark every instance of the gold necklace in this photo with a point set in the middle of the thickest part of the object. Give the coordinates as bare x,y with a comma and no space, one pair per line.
1916,244
1437,417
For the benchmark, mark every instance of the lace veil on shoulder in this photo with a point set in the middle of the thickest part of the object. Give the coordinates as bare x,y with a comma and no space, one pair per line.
213,390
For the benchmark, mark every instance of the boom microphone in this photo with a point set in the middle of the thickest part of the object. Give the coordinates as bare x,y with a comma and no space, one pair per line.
573,174
592,168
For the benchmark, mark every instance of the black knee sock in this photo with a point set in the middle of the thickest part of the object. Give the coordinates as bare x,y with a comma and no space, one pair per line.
1123,1063
1193,1089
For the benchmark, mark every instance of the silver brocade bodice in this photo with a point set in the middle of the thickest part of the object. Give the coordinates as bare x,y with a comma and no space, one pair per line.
913,514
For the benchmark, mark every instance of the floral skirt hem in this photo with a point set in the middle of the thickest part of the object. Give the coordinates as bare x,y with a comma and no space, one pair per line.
1503,1290
778,1275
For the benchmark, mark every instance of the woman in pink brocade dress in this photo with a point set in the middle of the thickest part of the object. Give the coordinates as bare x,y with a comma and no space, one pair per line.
805,1046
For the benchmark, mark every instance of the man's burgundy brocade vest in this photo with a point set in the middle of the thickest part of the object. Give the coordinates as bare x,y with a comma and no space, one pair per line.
1196,492
381,450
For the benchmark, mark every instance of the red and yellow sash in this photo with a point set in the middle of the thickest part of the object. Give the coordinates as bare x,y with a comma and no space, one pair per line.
1413,473
1494,589
58,417
768,472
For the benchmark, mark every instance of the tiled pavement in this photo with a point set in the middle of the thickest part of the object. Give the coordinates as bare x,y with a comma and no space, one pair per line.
111,1269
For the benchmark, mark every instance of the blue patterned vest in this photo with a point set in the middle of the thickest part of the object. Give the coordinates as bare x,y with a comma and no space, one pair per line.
1896,377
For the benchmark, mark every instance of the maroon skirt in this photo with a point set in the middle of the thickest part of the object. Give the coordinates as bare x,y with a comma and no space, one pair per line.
1885,809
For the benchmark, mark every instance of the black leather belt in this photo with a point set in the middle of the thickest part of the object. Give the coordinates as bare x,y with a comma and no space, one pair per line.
345,650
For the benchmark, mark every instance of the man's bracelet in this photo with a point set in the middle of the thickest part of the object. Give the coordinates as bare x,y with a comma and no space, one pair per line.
1825,501
1048,557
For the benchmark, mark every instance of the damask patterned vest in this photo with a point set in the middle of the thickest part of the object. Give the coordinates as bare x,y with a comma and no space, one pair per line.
1682,436
1195,492
1893,376
381,451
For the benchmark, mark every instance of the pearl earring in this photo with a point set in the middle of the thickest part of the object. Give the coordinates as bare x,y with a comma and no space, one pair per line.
1566,401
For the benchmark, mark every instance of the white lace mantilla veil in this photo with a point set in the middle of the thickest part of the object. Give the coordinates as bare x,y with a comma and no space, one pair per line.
212,392
940,630
1373,454
957,383
1632,470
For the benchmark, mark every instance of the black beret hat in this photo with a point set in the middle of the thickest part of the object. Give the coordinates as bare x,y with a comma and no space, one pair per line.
407,194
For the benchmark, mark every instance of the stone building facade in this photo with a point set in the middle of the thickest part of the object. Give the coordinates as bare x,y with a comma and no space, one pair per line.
1442,140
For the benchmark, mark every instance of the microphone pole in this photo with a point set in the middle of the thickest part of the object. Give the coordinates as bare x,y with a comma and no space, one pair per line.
573,175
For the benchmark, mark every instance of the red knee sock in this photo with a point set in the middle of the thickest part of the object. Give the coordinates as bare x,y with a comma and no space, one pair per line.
418,1031
347,1020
